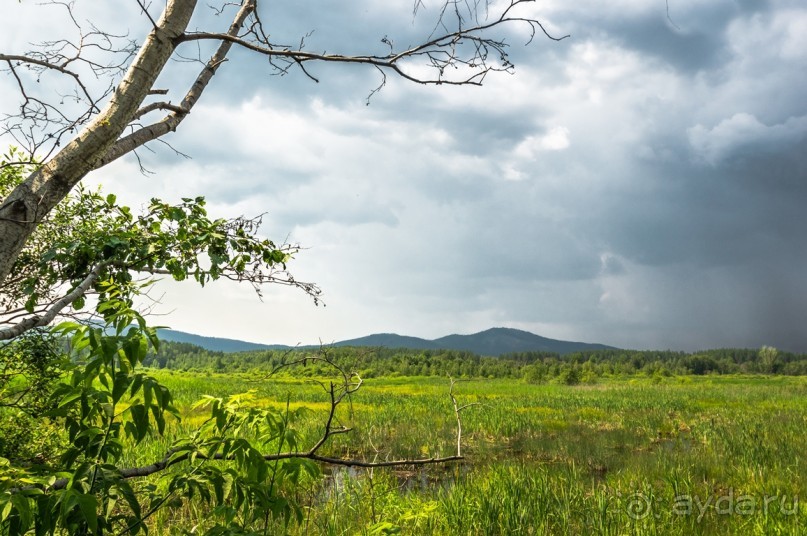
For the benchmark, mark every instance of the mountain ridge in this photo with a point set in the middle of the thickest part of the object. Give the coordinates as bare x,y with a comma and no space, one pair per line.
490,342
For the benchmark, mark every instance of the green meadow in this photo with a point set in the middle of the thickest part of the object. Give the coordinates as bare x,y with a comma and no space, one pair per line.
635,455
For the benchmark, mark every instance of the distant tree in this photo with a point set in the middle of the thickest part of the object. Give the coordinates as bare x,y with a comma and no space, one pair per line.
535,373
571,375
768,357
701,364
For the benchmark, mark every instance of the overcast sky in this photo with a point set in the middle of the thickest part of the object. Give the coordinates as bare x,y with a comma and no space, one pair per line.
642,183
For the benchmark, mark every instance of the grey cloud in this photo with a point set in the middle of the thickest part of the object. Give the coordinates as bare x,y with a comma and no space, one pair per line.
689,236
708,217
743,133
693,51
512,239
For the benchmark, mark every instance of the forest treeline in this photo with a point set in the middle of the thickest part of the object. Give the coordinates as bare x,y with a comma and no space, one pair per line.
534,367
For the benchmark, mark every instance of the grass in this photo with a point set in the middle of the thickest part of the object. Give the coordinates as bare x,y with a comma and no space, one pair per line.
687,455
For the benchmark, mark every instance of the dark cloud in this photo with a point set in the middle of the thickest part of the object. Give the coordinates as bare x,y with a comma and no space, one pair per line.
655,37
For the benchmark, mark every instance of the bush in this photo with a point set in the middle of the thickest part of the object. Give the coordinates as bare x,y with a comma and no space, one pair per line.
570,376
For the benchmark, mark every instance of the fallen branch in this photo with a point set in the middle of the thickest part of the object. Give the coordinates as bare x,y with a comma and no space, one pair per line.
351,383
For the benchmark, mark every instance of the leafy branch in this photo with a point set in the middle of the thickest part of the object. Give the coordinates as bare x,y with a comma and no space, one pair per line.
91,244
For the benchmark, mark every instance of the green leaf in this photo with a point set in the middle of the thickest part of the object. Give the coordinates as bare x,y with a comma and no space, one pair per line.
385,527
120,386
159,419
130,497
70,398
6,511
89,506
140,419
137,382
177,214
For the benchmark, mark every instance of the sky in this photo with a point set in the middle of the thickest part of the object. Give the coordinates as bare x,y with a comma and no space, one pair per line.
642,183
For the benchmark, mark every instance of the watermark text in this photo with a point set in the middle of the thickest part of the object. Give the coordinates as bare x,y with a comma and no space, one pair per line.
639,505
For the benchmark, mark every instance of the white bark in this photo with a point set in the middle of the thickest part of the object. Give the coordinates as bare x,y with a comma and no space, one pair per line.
170,122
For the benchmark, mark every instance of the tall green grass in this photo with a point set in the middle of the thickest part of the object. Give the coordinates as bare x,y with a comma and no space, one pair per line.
618,457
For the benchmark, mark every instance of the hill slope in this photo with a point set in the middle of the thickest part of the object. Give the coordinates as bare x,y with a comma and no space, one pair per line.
214,344
491,342
390,340
498,341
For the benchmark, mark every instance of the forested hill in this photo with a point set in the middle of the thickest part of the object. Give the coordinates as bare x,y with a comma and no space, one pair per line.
491,342
215,344
498,341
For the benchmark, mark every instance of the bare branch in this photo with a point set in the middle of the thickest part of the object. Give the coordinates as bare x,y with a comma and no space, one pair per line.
440,52
674,25
11,58
457,410
41,123
145,11
458,54
171,122
159,106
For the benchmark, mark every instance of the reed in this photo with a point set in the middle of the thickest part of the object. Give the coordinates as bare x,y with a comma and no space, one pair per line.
681,456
